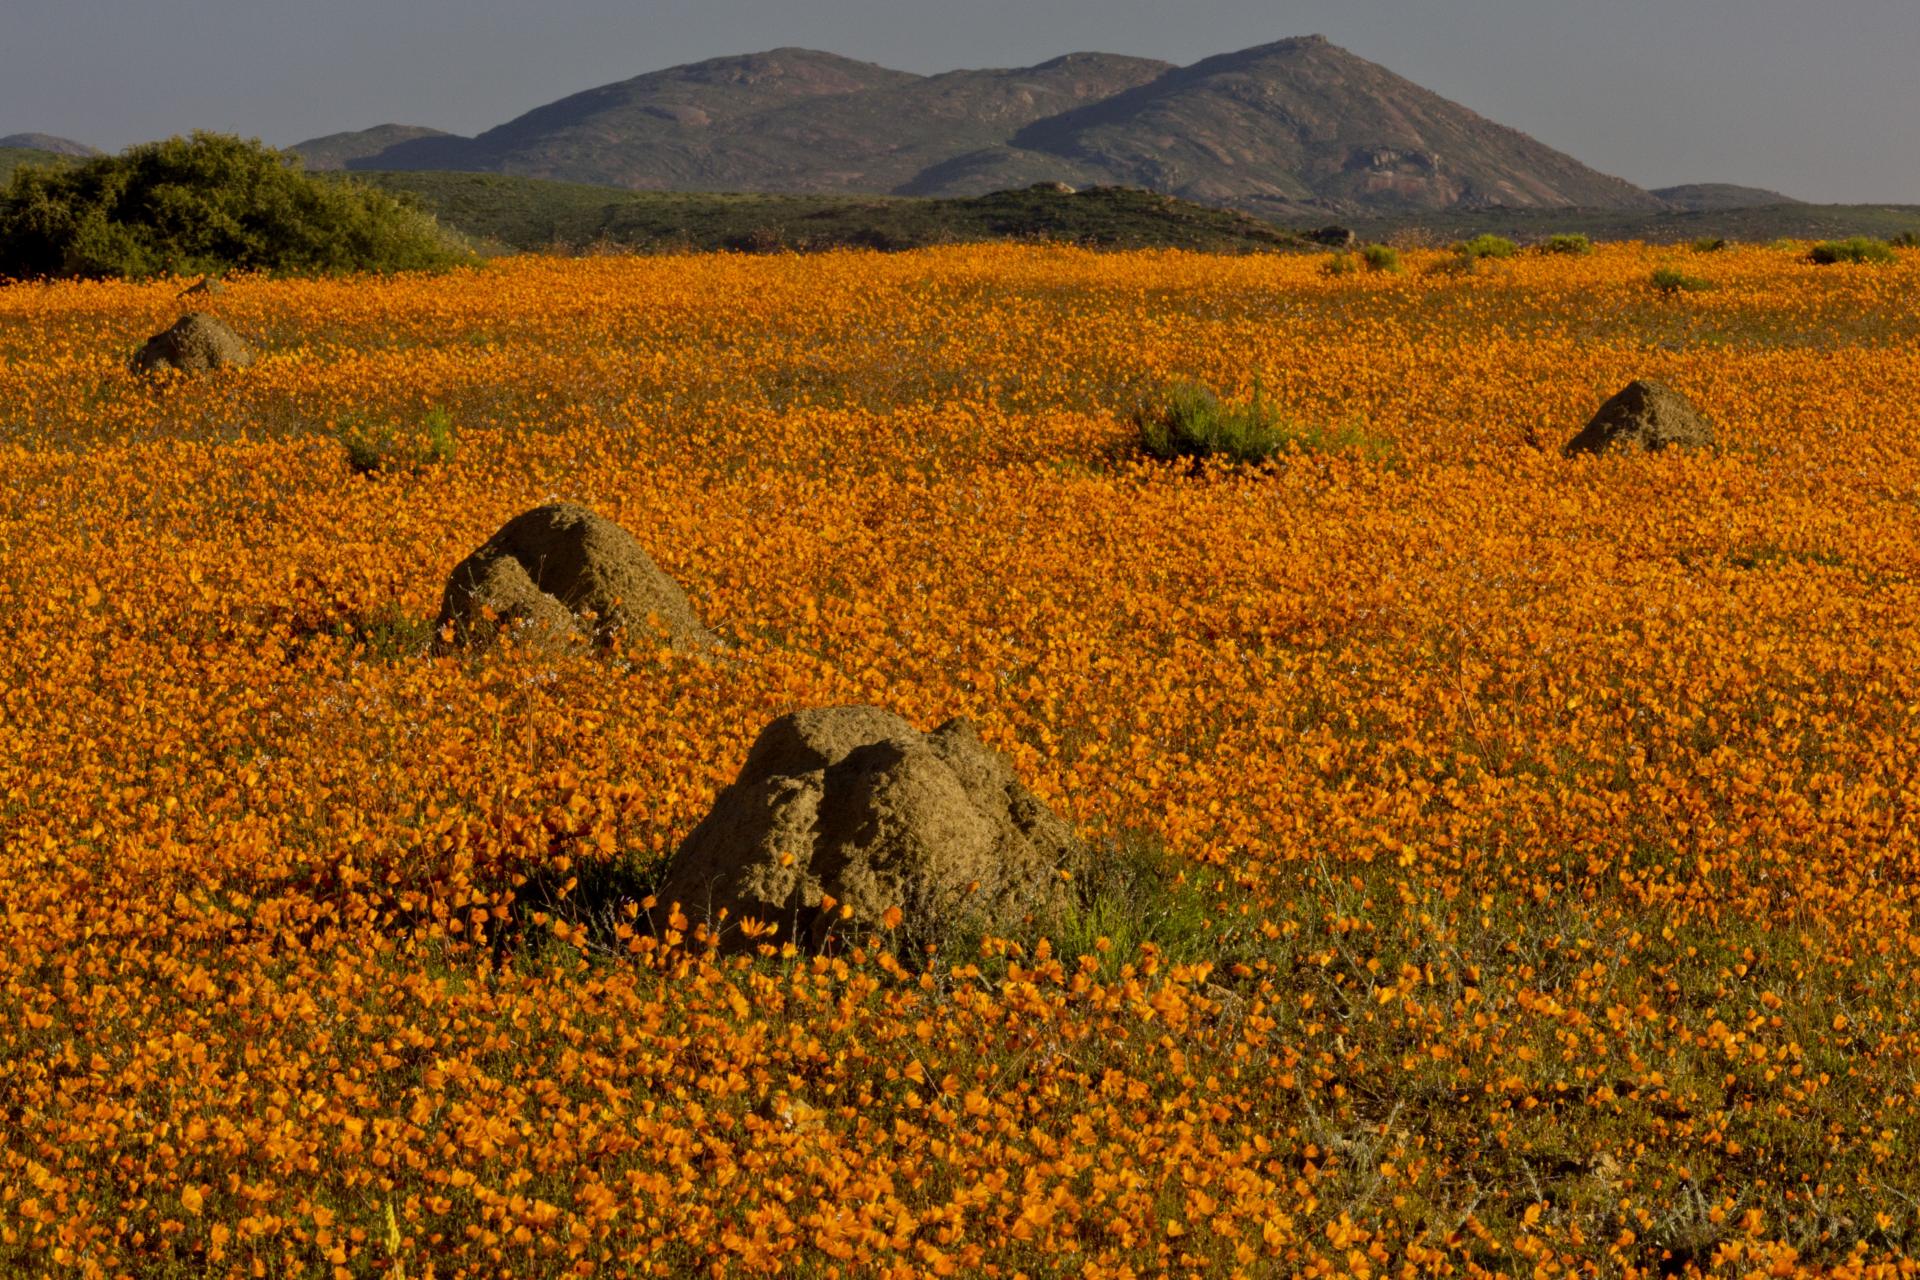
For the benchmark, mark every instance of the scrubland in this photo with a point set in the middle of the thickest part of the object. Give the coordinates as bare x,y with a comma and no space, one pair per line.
1535,837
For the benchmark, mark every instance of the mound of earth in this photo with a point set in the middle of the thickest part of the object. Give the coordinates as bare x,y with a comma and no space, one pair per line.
196,342
850,813
1644,415
559,570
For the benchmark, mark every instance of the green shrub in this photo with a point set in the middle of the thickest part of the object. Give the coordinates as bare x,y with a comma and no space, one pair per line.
204,205
1906,240
1674,280
377,446
1381,257
1567,242
1852,249
1486,246
1709,244
1192,422
1340,264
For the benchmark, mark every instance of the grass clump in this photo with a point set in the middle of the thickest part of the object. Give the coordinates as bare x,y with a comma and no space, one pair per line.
1708,244
375,447
1857,249
1194,423
1381,257
204,205
1672,280
1571,242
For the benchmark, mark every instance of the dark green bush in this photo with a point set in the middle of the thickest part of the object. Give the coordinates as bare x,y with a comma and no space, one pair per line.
1192,422
1381,257
376,446
1709,244
1567,242
1486,246
1674,280
1906,240
206,204
1852,249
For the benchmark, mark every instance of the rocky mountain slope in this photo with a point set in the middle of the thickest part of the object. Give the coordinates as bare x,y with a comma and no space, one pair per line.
1298,128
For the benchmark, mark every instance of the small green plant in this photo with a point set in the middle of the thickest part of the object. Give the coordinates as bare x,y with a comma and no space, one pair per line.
377,446
1381,257
1567,242
1193,422
1859,249
1708,244
1486,246
1673,280
1906,240
1340,264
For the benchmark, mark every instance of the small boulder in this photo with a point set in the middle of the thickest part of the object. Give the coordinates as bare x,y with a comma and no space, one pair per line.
1645,415
1334,237
559,569
196,342
856,805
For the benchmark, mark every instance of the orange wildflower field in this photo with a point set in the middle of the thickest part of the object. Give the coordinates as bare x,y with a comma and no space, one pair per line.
1536,835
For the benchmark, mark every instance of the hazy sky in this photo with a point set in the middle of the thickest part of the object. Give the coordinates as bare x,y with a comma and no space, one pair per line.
1820,100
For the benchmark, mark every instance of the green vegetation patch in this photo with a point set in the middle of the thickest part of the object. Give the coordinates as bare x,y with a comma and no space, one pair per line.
206,204
1855,249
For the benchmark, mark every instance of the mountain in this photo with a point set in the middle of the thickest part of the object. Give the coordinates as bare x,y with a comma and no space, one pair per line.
1302,123
337,150
47,142
1714,197
1296,128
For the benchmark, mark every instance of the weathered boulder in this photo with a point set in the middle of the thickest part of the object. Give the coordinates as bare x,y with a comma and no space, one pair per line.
558,570
1644,415
856,805
1333,237
196,342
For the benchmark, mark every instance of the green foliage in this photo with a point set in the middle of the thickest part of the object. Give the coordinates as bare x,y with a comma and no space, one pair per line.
206,204
1486,246
1571,242
1709,244
1192,422
1381,257
1340,264
1906,240
1859,249
1674,280
378,446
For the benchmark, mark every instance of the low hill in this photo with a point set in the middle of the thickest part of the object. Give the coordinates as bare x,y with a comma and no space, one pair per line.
47,142
530,214
1697,197
337,150
1299,128
1758,225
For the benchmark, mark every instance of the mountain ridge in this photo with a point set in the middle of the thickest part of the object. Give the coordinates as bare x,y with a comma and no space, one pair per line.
1298,127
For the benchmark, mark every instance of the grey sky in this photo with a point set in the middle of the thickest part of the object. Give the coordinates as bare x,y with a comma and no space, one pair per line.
1820,100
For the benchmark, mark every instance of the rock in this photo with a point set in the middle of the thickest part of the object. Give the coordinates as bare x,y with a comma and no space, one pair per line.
1334,237
558,570
1644,415
1053,188
197,342
855,804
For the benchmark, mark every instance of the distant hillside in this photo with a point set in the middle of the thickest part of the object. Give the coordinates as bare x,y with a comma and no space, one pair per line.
335,150
1698,197
1303,123
530,214
1299,128
46,142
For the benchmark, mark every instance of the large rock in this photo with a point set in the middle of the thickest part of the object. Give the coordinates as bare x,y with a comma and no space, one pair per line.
561,569
855,804
1645,415
197,342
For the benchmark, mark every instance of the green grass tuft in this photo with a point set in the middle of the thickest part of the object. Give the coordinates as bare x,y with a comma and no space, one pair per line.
1855,249
375,447
1673,280
1570,242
